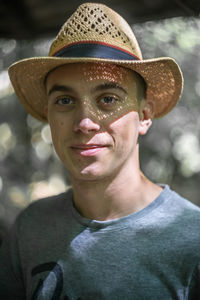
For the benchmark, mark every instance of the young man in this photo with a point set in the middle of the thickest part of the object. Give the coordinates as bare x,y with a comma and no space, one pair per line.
115,234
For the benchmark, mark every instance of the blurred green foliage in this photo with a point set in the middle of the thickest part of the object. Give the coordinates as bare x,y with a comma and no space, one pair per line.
170,153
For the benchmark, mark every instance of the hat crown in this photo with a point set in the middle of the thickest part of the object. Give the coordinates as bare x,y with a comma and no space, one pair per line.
93,22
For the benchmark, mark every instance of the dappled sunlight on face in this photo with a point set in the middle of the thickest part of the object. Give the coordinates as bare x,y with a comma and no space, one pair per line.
102,92
125,86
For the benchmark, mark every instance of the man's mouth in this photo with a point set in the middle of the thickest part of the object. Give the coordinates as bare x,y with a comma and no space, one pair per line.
88,149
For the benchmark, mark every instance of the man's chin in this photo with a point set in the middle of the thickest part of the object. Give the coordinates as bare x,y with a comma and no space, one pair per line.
92,174
89,174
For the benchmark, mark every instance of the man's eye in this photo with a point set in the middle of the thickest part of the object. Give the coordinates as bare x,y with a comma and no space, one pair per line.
108,100
65,101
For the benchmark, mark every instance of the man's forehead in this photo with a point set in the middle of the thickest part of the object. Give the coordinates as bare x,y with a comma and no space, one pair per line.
102,70
95,71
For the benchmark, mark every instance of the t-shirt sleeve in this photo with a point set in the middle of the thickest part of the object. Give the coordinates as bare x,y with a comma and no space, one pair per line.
11,282
194,288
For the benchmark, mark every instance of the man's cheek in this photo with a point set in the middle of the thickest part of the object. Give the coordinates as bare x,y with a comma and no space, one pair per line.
116,113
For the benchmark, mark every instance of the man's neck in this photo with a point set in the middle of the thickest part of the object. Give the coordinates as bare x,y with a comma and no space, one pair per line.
114,197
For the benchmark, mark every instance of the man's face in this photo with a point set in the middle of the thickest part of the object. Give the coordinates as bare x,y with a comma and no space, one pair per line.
94,119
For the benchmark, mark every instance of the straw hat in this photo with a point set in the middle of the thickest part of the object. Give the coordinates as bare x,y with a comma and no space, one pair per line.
95,33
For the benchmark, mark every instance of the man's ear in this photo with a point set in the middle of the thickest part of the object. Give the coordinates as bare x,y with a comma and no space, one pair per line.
146,112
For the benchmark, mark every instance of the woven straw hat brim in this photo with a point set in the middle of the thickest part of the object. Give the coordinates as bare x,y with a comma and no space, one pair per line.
162,76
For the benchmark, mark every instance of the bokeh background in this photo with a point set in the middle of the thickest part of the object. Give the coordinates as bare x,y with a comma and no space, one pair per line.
170,153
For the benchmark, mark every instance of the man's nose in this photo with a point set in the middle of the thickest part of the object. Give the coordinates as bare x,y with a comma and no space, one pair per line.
86,125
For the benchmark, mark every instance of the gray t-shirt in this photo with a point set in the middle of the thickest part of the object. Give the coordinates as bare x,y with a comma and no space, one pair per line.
52,252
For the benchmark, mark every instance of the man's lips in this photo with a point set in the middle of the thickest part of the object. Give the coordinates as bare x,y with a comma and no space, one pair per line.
88,146
88,149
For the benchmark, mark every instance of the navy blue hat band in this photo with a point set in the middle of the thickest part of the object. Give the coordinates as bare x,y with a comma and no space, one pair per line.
96,50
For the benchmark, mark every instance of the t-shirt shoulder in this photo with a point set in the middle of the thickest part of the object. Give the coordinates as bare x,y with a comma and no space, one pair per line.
185,205
182,216
48,206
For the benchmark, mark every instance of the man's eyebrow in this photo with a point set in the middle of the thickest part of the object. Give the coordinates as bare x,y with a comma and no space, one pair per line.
103,86
109,85
60,88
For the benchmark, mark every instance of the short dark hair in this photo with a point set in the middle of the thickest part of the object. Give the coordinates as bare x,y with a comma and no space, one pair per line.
141,87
